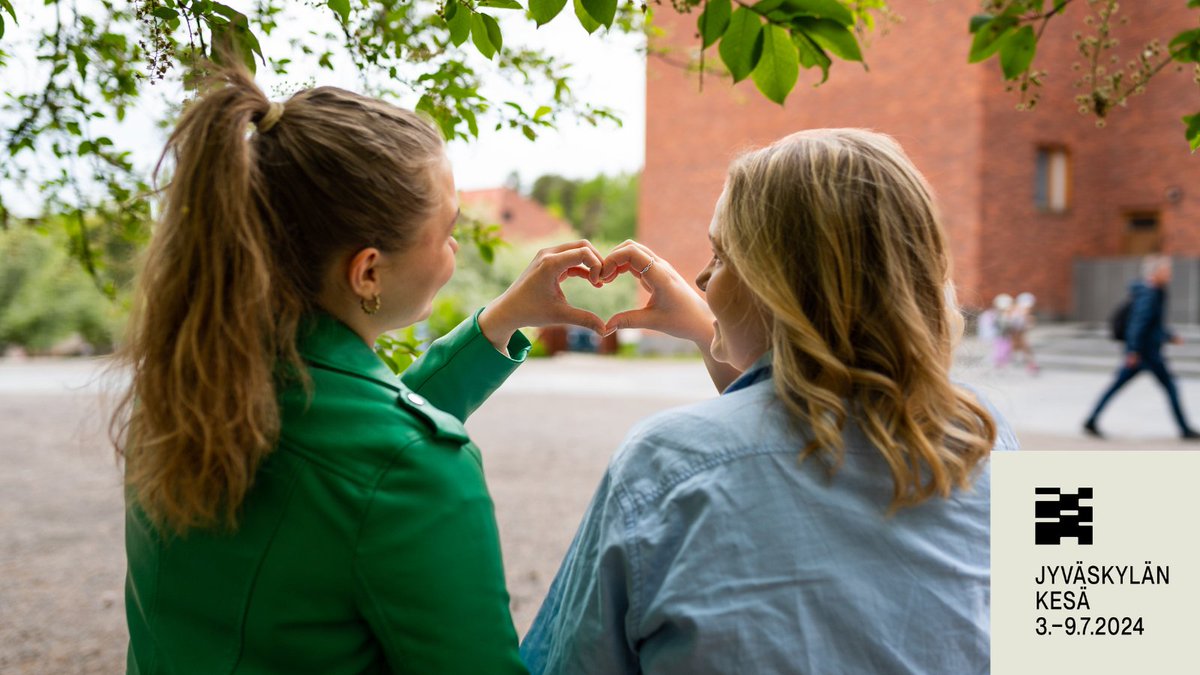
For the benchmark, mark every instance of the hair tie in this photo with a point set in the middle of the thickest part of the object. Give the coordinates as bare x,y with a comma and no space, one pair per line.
269,118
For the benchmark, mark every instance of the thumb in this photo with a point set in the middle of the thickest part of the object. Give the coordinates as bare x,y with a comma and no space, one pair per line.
634,318
582,317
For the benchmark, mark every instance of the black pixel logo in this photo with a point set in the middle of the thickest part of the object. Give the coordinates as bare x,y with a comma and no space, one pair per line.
1058,516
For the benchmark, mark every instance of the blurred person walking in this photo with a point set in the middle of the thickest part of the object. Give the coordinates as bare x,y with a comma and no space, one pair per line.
993,327
1020,321
1144,337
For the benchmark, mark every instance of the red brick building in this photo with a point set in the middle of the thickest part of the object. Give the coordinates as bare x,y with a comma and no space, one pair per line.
519,217
1023,194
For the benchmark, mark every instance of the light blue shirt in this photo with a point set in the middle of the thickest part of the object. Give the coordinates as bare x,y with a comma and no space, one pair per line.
708,549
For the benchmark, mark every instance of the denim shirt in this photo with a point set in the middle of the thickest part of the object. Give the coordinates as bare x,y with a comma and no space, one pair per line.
708,548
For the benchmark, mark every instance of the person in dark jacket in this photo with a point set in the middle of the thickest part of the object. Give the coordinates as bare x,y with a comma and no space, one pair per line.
1144,338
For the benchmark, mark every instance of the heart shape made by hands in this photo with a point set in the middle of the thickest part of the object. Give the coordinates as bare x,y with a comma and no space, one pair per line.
614,310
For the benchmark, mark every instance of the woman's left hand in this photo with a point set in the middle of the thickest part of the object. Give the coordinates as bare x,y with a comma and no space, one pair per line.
536,299
674,307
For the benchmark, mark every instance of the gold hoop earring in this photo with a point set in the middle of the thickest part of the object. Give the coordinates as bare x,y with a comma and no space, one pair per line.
376,302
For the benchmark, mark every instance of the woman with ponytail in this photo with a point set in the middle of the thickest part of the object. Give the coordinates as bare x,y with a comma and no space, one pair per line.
829,512
293,507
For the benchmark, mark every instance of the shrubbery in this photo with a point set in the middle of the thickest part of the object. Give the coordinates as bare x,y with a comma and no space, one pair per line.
46,297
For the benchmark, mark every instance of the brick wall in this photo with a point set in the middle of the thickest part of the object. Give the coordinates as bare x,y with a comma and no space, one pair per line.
1126,166
962,131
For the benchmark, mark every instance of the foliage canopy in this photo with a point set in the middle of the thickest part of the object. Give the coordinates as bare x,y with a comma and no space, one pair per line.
98,58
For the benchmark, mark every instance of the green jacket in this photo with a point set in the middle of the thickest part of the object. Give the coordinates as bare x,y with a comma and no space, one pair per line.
367,544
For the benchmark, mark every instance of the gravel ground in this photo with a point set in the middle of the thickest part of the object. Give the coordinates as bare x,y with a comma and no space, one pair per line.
62,561
546,437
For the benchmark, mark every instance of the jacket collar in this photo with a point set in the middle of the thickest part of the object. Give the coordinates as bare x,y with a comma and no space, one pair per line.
326,341
760,370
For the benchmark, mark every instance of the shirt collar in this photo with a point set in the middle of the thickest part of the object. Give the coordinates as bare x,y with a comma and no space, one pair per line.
326,341
758,371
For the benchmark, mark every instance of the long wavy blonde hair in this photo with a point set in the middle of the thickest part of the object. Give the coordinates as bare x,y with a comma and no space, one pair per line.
835,233
251,221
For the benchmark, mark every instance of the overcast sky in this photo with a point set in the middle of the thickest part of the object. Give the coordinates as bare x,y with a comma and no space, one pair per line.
608,70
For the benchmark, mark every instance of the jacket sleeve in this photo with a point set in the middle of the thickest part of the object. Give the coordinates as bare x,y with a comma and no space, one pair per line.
1141,310
462,369
429,577
582,625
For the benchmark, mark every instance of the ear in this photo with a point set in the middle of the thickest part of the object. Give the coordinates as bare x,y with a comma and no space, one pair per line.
362,272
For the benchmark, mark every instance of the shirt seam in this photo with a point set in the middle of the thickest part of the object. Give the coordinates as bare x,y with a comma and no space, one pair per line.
635,560
642,499
354,557
241,649
342,370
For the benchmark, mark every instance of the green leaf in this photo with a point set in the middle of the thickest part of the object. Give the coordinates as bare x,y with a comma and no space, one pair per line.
81,62
741,46
486,251
1193,126
989,37
1,25
341,8
1017,52
479,34
1192,4
1185,47
821,9
472,123
714,20
543,11
529,132
542,111
811,55
979,21
7,6
226,11
460,26
500,4
589,24
493,31
602,11
165,13
425,105
832,36
777,70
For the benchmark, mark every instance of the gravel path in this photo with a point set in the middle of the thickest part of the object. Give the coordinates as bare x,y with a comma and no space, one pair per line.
62,560
546,437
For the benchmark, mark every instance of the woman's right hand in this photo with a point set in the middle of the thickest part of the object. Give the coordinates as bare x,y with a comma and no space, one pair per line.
674,307
535,299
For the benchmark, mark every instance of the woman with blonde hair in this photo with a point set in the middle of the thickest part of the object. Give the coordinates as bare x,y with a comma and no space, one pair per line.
293,507
829,512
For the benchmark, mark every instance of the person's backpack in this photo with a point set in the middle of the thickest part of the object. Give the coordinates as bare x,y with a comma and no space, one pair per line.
1118,323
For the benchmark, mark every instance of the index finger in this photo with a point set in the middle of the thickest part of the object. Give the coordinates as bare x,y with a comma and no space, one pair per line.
582,255
636,256
594,276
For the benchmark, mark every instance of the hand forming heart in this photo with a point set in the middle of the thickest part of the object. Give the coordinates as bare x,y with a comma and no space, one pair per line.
673,307
536,297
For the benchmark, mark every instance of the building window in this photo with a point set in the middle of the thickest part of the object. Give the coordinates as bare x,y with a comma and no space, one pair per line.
1052,174
1143,235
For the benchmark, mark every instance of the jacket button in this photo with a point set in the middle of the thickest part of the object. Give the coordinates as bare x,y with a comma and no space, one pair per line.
415,399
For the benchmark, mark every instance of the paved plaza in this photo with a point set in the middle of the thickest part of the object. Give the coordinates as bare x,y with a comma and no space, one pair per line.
546,437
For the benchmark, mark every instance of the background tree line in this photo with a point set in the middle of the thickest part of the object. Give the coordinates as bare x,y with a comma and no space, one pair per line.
95,60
